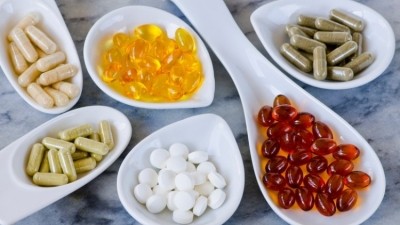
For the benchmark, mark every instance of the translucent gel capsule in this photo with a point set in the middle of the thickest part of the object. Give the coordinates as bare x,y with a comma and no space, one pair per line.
287,141
303,139
270,148
299,157
342,52
54,162
308,21
264,117
281,100
314,182
346,200
278,128
357,179
317,164
274,181
106,135
325,205
323,146
305,44
360,62
294,176
148,32
84,165
286,198
76,131
185,40
346,151
120,39
341,167
334,186
67,164
284,113
278,164
304,198
304,120
329,25
321,130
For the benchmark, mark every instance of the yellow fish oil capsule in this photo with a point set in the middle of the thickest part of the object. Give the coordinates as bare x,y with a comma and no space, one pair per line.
28,76
50,179
17,59
344,18
88,145
84,165
329,25
44,166
79,155
67,164
185,40
74,132
39,95
106,135
296,30
342,52
24,45
332,37
360,62
70,89
307,21
41,40
50,142
358,38
49,62
54,162
60,99
35,159
304,43
319,63
57,74
296,58
31,19
340,73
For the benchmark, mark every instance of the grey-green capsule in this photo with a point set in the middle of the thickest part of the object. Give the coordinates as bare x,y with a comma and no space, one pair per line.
296,58
307,21
84,165
54,162
340,73
305,44
50,179
74,132
106,135
332,37
35,159
360,62
358,38
86,144
67,164
95,136
329,25
50,142
295,30
346,19
79,155
319,63
307,30
341,53
44,166
96,157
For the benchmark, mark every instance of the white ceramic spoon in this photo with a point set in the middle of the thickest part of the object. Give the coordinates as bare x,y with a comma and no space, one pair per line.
19,196
258,82
52,23
206,132
269,22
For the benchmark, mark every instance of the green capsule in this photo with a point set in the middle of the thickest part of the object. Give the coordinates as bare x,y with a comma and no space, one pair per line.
295,30
358,38
308,55
305,44
332,37
95,136
35,159
54,162
96,157
84,165
50,142
360,62
44,166
307,30
79,155
79,131
329,25
341,53
50,179
296,58
86,144
319,63
307,21
106,135
67,164
340,73
344,18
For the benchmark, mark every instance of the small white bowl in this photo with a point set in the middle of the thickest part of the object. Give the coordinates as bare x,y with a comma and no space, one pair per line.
125,20
52,23
269,22
207,132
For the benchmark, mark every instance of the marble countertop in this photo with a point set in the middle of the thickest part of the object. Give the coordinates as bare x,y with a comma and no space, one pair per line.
372,109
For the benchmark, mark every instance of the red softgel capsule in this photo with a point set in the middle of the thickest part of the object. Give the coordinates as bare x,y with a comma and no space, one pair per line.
278,164
314,182
317,164
294,176
346,200
284,113
299,158
281,100
334,186
270,148
325,205
278,128
341,167
274,181
357,179
321,130
304,120
323,146
303,139
304,198
286,198
264,117
346,151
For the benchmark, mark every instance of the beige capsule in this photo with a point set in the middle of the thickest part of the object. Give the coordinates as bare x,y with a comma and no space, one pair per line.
77,131
54,162
84,165
67,164
360,62
50,179
96,137
44,166
79,155
358,38
49,62
296,58
35,159
50,142
304,43
39,95
295,30
106,135
17,59
60,99
70,89
340,73
342,52
329,25
31,19
332,37
319,63
307,21
88,145
41,40
57,74
28,76
346,19
24,45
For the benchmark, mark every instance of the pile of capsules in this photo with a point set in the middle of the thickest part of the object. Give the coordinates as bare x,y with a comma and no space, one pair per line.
39,64
149,66
305,164
330,48
180,185
57,161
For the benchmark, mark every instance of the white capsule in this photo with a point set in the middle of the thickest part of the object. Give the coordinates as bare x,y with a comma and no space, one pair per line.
57,74
179,149
176,164
41,40
70,89
184,182
31,19
182,216
183,200
39,95
216,198
197,157
24,45
17,59
49,62
166,179
200,206
148,176
156,203
206,167
60,99
159,157
204,189
217,180
28,76
142,192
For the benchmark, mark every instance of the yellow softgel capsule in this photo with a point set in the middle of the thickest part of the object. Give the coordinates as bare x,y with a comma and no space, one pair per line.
120,39
148,32
185,40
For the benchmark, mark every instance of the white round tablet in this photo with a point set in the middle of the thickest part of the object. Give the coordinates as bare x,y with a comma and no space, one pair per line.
148,176
159,157
184,182
160,190
190,167
179,149
198,177
182,216
166,179
206,167
176,164
216,198
170,201
200,206
197,157
142,192
183,200
217,179
205,188
156,203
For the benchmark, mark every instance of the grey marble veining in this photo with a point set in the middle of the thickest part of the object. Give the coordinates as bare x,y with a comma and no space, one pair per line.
372,109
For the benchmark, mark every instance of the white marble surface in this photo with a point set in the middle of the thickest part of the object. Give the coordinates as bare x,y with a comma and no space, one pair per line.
372,109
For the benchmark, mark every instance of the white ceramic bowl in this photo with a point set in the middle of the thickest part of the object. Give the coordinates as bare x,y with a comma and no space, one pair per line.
207,132
125,20
269,22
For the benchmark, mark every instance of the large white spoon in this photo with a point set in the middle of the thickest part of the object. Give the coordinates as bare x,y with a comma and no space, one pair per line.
258,82
52,23
19,197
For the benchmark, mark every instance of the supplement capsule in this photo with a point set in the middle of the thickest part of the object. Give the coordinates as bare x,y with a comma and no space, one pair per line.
58,74
60,99
106,135
70,89
307,30
17,59
50,142
86,144
79,155
329,25
329,37
296,30
54,162
340,73
95,137
39,95
342,52
67,164
325,204
50,61
346,200
50,179
307,21
74,132
41,40
44,166
360,62
31,19
305,44
185,40
35,159
84,165
358,38
296,58
24,45
28,76
320,70
346,19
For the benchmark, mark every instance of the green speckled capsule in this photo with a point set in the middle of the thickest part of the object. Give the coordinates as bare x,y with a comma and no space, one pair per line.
307,21
295,30
309,31
319,63
106,135
74,132
340,73
44,166
54,162
79,155
304,43
332,37
358,38
67,164
50,179
35,159
346,19
50,143
360,62
342,52
88,145
296,58
329,25
84,165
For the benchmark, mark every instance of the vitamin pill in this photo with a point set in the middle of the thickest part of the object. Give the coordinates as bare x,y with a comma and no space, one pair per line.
335,38
67,164
198,177
358,38
96,157
86,144
357,179
166,179
304,198
299,157
148,176
314,182
183,200
284,113
296,58
279,128
161,191
281,100
185,40
39,95
205,189
159,157
176,164
41,40
334,186
49,62
200,206
296,30
321,130
294,176
50,143
329,25
35,159
216,198
320,69
340,73
28,76
217,180
274,181
307,30
305,44
156,203
317,164
184,182
142,192
341,167
190,167
264,117
182,216
342,52
70,89
197,157
278,164
304,120
307,21
346,151
79,155
60,99
84,165
31,19
360,62
17,59
54,162
50,179
106,135
270,148
346,200
179,149
345,18
323,146
206,167
57,74
325,204
24,45
74,132
44,166
286,198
